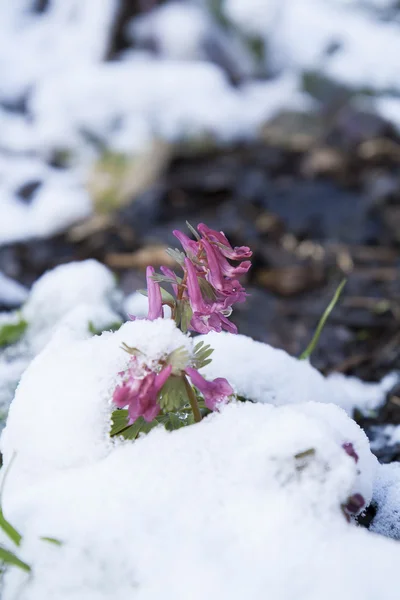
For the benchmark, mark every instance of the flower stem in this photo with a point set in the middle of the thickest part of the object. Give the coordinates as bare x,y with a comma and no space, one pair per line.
193,401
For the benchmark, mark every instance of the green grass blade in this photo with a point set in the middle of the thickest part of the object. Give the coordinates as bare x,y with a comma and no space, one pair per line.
9,530
312,345
51,540
9,558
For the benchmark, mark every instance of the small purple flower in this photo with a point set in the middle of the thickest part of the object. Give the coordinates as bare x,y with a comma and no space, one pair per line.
154,294
139,391
215,392
207,315
218,237
349,449
188,245
354,504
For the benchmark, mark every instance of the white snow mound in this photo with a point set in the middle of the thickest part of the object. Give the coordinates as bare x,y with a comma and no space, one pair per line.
262,373
227,500
77,294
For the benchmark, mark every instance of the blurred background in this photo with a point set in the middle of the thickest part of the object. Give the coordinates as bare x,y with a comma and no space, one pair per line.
276,121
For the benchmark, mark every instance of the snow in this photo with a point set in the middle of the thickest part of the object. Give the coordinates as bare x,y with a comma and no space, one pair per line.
259,504
256,17
262,373
389,108
386,495
226,500
301,34
58,202
63,101
162,24
196,98
75,294
137,305
66,34
12,293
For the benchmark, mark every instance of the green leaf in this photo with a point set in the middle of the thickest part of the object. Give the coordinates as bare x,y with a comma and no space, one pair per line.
121,427
206,289
131,350
138,427
12,332
9,558
202,355
99,330
176,255
119,420
173,394
178,313
173,421
312,345
193,231
179,359
9,530
186,316
51,540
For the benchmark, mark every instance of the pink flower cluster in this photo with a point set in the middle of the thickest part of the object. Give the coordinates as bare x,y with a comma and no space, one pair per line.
209,286
141,386
202,301
139,390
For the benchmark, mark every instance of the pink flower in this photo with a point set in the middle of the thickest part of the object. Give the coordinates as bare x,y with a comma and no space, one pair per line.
207,315
218,237
154,294
140,390
355,503
188,245
349,449
215,392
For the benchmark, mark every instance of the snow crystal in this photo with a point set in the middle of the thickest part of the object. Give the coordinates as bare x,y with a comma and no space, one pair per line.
265,374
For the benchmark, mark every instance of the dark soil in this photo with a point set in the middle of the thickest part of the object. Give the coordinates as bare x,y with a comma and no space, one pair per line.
315,204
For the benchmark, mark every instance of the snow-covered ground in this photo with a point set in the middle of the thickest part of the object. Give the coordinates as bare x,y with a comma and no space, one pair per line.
244,504
60,97
78,293
247,502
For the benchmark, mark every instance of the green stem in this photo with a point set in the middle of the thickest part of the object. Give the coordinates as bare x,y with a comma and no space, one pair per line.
311,346
193,401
